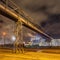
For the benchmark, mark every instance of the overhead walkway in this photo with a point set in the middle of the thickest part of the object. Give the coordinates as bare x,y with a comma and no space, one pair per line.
15,17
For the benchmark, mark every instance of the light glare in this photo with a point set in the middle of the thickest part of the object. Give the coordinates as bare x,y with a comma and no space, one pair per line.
13,38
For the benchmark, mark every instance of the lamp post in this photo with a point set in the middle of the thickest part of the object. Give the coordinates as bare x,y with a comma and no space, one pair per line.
4,34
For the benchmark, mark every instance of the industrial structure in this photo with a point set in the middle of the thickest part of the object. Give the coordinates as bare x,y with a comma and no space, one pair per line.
21,19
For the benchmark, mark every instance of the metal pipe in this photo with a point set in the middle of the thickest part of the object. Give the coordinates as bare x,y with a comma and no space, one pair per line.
15,16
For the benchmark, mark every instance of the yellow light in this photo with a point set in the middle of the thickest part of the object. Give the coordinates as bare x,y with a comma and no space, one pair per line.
4,33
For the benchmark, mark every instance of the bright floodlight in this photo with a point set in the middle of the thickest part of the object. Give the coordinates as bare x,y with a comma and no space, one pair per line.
13,38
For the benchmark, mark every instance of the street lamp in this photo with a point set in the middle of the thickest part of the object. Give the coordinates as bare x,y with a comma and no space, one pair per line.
4,34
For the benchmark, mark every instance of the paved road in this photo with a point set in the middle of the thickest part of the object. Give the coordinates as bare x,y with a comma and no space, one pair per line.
8,55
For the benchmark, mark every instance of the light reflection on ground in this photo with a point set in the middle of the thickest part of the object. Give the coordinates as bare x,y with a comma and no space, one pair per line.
8,55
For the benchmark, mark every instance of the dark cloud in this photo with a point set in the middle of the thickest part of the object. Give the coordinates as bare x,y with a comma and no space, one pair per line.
39,9
52,25
45,13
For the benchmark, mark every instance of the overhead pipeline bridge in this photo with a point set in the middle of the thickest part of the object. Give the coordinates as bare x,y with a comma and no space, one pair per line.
18,14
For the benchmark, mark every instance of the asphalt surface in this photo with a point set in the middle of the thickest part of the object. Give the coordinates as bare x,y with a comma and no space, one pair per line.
6,54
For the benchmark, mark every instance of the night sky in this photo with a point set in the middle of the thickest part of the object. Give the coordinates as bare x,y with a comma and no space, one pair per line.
45,13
